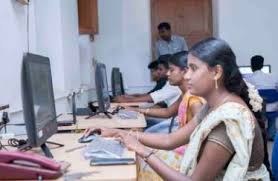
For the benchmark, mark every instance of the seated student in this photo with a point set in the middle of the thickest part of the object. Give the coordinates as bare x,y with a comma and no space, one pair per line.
158,70
262,81
227,141
167,94
186,106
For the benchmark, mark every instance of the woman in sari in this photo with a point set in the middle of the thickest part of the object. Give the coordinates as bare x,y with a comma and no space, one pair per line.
226,141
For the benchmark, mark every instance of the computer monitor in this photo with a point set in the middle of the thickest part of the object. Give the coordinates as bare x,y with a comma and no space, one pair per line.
122,83
248,69
38,101
116,82
102,88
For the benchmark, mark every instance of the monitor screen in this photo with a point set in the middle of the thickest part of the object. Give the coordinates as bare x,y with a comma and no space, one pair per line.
38,99
102,87
116,82
248,70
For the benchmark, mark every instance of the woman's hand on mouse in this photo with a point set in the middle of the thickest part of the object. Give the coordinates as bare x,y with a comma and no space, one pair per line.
105,132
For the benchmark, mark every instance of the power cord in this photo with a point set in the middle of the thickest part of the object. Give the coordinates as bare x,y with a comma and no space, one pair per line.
13,142
2,147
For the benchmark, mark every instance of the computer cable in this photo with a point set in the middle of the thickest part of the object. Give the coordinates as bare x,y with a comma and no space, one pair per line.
2,146
13,142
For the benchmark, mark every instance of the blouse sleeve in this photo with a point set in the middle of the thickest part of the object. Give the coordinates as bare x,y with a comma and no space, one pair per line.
219,136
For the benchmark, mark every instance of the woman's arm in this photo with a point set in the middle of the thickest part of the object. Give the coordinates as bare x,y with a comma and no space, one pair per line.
154,140
161,112
168,141
166,172
213,159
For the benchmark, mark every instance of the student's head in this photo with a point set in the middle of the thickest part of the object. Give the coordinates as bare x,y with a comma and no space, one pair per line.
164,31
163,65
153,66
177,68
212,61
257,62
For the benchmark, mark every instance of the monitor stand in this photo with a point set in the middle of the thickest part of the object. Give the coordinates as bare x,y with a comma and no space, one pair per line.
73,121
106,113
95,111
44,148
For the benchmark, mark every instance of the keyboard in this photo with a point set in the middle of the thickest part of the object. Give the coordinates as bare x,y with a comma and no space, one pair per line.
124,114
104,148
65,123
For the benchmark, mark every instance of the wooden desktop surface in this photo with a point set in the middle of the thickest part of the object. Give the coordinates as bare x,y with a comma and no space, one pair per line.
127,104
78,164
103,121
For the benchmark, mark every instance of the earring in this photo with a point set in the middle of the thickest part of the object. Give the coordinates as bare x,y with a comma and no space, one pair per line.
216,83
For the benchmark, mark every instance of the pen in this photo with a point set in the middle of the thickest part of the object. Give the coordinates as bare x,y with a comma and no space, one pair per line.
75,148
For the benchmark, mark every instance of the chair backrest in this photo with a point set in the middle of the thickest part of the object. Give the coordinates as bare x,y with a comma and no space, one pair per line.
269,95
172,123
275,158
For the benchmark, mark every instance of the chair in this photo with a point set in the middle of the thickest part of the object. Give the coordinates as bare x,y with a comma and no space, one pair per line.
171,124
275,158
270,96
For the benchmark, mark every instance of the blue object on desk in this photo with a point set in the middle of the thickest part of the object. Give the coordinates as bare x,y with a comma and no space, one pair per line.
87,139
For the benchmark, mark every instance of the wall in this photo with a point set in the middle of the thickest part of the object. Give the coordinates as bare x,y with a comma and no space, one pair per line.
124,40
53,32
13,36
250,28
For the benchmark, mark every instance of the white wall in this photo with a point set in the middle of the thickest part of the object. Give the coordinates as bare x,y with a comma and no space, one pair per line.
250,27
124,40
13,44
53,32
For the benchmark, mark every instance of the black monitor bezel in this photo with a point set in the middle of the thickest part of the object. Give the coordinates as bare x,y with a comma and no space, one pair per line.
99,79
50,128
114,76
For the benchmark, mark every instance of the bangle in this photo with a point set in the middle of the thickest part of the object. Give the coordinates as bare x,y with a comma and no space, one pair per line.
147,110
148,156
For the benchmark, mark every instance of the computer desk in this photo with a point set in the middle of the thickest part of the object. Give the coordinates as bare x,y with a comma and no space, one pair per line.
127,104
103,121
79,165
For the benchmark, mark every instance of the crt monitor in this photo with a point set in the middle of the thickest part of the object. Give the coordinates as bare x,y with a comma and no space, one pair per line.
102,88
38,101
116,82
248,69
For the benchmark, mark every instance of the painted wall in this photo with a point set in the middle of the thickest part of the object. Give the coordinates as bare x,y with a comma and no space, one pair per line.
250,28
124,40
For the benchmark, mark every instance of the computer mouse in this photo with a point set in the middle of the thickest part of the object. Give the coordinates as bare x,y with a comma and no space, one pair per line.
87,139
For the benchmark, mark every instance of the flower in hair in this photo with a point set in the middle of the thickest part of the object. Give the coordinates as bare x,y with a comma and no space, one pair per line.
256,100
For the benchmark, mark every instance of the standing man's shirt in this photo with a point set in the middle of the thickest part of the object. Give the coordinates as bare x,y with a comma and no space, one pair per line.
159,84
263,80
168,94
177,44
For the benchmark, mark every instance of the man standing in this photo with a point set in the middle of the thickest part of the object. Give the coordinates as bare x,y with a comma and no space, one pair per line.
263,81
168,43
